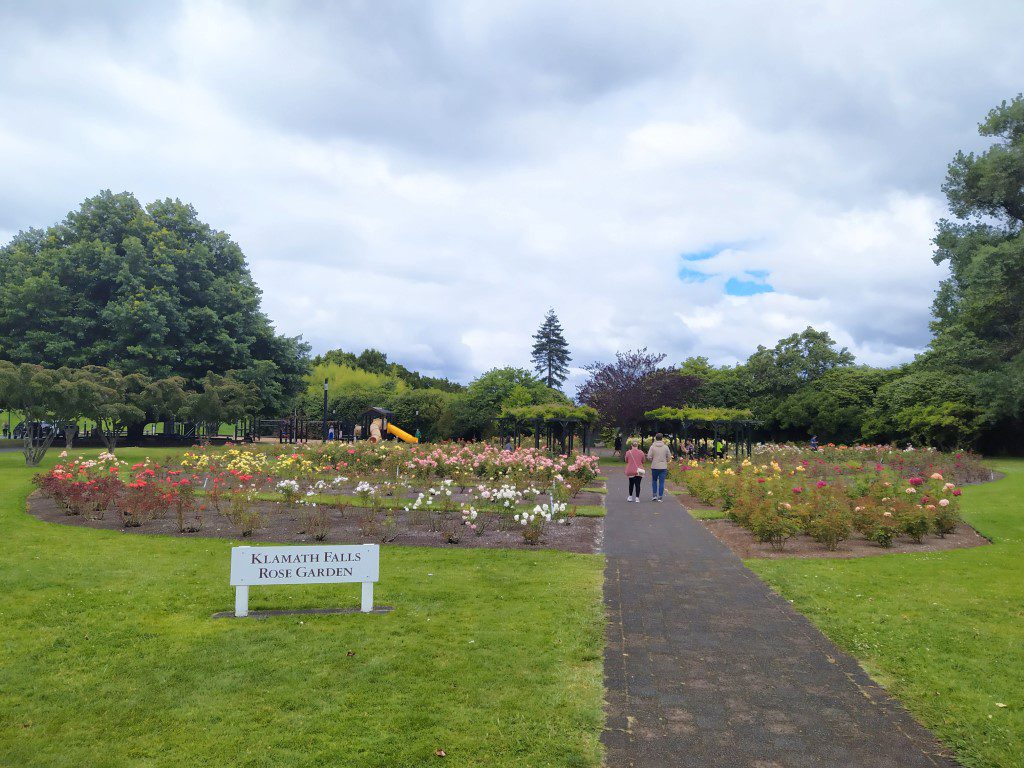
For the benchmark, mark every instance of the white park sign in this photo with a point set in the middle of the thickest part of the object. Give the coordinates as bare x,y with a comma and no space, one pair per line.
330,564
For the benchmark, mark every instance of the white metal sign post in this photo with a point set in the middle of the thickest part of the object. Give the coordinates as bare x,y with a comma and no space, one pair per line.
331,564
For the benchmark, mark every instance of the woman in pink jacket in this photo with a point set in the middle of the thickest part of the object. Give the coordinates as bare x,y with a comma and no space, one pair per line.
634,471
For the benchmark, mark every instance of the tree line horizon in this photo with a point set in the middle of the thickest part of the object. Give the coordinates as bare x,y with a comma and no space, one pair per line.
154,293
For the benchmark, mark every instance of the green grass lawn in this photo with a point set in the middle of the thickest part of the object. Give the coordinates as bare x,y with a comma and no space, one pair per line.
944,632
109,657
706,514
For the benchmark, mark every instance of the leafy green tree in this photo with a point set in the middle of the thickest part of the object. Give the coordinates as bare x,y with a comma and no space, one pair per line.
943,426
221,398
979,308
519,396
551,351
33,390
772,375
902,406
494,388
69,402
113,400
151,291
345,378
475,411
374,361
166,399
427,410
720,387
834,405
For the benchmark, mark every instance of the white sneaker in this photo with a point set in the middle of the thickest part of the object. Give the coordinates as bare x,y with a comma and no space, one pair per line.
637,499
630,498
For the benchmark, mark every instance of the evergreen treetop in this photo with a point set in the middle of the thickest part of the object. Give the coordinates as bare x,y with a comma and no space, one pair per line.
551,351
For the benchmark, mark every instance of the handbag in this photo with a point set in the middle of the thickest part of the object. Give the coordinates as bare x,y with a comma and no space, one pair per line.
640,472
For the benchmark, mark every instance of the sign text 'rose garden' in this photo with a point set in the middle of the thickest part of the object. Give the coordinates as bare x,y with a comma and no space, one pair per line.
331,564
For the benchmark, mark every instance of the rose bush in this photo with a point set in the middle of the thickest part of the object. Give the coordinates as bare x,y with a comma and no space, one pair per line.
452,488
878,492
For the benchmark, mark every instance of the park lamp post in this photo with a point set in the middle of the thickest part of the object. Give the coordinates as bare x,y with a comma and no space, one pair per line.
324,437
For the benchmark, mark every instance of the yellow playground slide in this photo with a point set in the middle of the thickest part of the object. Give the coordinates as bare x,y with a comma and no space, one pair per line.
401,434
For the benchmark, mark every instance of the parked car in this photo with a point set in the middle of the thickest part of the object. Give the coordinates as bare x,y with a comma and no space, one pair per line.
43,429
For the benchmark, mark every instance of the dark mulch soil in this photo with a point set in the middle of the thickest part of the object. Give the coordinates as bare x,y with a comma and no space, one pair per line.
282,526
742,542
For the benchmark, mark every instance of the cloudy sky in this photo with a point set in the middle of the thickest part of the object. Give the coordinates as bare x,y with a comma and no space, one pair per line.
428,178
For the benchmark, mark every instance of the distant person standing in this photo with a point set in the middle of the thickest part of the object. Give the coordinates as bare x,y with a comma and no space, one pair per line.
330,432
634,471
618,444
660,455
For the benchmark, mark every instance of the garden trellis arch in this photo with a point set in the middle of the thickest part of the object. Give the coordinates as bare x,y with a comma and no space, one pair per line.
558,425
734,425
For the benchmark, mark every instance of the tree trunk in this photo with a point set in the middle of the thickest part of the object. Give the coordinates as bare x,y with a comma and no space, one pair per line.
35,448
136,433
108,435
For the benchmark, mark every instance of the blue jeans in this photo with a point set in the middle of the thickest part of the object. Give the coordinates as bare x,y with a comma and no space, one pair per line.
658,482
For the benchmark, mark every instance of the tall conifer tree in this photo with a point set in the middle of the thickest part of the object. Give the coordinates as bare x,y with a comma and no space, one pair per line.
551,351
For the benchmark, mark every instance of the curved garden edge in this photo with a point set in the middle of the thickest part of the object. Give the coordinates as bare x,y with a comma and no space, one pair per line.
283,525
743,543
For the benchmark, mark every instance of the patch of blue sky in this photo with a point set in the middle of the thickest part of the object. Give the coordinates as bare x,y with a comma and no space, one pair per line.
688,275
736,287
711,251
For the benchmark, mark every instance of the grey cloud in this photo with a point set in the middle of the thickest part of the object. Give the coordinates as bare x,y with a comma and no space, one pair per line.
428,178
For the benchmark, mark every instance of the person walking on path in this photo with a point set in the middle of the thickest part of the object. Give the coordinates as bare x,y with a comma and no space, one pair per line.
618,444
660,456
634,471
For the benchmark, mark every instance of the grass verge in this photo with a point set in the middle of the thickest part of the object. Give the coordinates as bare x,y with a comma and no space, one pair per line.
944,632
705,514
109,657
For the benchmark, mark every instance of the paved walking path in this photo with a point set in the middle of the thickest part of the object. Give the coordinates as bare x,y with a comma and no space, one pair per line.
705,666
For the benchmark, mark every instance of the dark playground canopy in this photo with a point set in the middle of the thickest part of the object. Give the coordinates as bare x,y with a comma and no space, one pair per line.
376,413
731,424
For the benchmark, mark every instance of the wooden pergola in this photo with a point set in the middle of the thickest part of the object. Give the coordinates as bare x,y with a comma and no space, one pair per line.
702,425
559,427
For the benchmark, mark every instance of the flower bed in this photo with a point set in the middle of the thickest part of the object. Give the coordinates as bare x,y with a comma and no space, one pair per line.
876,493
451,491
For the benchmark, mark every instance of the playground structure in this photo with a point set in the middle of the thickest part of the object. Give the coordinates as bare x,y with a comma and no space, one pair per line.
376,422
373,424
